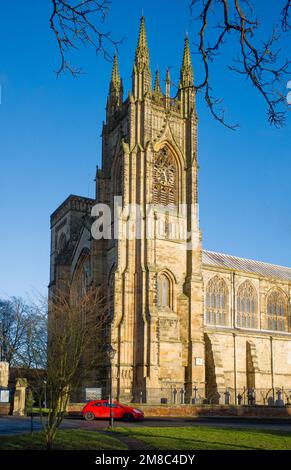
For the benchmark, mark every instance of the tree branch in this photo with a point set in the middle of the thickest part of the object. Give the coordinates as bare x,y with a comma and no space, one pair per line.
259,64
76,24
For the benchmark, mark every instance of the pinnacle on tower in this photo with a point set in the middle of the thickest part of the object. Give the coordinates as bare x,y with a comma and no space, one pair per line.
141,78
142,59
115,83
157,87
168,83
114,100
186,74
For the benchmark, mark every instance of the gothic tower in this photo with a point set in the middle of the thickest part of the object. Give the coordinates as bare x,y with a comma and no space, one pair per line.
154,277
150,263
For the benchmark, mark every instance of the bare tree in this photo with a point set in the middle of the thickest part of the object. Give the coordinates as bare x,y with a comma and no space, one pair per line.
23,341
257,59
13,328
80,23
33,354
74,325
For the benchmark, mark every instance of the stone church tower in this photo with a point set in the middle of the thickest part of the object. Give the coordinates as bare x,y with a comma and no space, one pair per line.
182,318
150,158
154,283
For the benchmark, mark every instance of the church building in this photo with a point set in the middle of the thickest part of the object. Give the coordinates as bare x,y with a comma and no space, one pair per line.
183,318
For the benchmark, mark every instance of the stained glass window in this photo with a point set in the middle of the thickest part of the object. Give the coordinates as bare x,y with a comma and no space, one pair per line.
246,316
277,318
216,311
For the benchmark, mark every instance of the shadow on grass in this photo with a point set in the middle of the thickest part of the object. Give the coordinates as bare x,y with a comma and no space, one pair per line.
213,438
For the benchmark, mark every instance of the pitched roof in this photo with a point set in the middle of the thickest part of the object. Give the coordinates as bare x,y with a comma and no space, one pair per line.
211,258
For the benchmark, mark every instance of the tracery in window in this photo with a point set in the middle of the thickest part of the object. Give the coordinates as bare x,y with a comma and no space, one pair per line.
164,178
247,309
216,309
82,276
277,316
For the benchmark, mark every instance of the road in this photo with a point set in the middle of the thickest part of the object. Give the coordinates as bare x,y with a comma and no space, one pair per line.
11,425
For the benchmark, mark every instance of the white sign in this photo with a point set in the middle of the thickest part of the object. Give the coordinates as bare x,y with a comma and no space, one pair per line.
198,361
93,394
4,396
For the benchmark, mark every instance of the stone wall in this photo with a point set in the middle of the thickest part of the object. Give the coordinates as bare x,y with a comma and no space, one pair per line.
249,360
192,411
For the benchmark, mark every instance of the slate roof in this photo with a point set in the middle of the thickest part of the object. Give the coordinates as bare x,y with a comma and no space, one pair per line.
211,258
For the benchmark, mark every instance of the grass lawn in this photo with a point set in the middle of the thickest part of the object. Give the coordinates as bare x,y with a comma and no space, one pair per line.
161,438
207,438
76,439
40,410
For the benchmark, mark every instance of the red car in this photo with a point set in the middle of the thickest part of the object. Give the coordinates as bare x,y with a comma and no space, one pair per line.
101,409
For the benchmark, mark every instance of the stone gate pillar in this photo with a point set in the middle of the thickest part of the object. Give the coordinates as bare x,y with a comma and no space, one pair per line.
4,374
4,378
19,397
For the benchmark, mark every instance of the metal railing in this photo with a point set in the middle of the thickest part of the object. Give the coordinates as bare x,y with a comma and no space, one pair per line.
175,395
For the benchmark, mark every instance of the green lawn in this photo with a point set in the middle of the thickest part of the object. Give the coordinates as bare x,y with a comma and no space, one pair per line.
76,439
161,438
40,410
207,438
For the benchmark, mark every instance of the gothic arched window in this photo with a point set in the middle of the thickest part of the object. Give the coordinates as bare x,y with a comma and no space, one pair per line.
164,291
277,311
82,276
164,178
247,306
216,302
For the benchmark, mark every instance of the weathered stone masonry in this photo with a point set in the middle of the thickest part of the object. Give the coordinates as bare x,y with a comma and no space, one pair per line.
183,318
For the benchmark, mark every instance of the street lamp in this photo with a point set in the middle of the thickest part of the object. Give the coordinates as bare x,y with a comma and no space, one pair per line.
111,353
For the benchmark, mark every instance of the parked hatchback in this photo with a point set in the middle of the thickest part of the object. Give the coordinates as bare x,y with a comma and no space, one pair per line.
101,409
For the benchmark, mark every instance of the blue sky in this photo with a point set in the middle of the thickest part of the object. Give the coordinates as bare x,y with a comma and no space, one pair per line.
50,139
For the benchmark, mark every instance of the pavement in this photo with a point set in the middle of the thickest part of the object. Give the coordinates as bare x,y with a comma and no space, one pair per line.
12,425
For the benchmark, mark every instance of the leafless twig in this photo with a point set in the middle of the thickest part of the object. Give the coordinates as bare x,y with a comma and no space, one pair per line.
285,20
80,23
260,64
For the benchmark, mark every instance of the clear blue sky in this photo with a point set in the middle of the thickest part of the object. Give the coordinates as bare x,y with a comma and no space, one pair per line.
50,139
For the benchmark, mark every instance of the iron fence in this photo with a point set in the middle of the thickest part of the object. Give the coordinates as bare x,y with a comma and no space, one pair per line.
178,395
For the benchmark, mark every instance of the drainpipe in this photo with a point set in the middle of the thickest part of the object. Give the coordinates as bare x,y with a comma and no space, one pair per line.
234,368
233,300
272,365
233,316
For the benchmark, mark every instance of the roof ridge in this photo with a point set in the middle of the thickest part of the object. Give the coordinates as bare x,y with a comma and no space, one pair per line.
247,259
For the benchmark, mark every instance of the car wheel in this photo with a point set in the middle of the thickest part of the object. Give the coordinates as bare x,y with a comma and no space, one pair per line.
89,416
127,417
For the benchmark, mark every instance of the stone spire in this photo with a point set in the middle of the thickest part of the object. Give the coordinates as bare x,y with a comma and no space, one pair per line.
142,58
157,87
115,96
142,80
115,83
186,73
168,83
